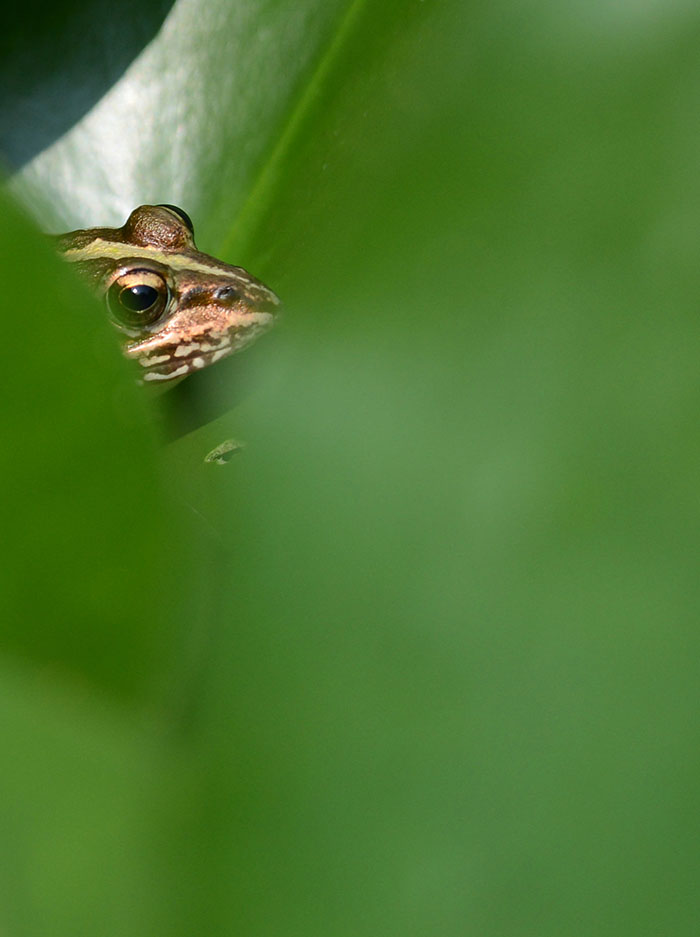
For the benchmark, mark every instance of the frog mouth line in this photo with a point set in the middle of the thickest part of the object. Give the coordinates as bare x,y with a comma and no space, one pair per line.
169,360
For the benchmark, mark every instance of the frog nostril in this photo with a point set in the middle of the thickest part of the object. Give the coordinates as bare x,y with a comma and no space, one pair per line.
227,292
251,301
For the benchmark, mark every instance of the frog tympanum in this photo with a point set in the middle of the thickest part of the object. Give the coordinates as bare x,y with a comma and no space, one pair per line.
179,310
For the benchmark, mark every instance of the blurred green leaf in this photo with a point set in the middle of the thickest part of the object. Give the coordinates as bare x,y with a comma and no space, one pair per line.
441,654
78,810
83,574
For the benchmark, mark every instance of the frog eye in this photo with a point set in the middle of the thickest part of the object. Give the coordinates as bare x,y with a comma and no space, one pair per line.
182,215
138,298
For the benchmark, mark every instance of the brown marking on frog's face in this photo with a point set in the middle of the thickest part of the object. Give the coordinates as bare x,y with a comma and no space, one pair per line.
180,310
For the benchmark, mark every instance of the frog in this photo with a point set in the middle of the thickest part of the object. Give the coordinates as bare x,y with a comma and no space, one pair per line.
177,309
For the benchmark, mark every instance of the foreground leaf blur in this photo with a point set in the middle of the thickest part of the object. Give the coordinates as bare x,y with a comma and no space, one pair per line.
435,664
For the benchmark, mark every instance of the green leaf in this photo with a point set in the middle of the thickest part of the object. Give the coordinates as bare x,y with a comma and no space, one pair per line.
441,611
83,588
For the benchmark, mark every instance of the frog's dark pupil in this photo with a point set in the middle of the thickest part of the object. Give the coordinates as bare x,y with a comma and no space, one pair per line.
138,298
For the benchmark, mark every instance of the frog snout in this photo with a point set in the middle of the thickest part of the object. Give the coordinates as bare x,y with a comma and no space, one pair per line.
262,300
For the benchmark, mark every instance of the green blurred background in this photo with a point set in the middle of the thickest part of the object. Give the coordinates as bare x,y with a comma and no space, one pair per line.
422,659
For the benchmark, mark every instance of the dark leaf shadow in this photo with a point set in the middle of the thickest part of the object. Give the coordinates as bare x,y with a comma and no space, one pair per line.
57,60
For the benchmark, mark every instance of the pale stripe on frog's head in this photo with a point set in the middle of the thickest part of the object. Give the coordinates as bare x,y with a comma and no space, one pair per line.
179,309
